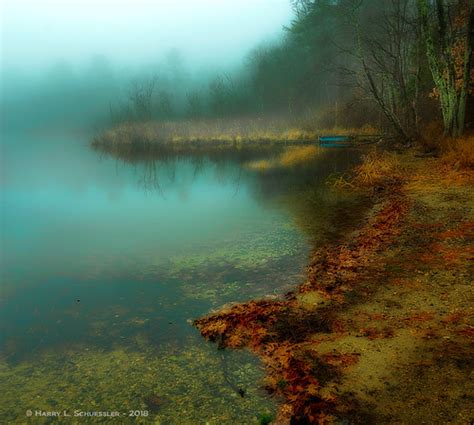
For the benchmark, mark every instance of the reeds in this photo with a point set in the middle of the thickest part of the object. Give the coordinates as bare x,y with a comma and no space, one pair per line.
235,131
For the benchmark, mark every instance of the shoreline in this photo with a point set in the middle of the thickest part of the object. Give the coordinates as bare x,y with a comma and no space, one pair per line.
380,329
215,133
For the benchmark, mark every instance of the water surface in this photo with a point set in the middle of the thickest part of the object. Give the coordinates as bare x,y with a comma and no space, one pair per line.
106,261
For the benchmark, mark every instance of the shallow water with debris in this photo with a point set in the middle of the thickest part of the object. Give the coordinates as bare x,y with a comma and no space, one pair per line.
106,261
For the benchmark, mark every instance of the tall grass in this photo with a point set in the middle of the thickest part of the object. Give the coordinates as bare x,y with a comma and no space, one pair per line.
376,167
237,130
458,154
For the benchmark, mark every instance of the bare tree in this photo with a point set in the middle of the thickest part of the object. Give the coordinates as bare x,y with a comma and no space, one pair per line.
387,50
141,97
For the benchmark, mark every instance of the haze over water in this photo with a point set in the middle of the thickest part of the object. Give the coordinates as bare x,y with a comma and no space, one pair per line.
104,261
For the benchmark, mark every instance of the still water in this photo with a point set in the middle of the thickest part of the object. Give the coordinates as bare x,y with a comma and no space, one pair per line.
106,261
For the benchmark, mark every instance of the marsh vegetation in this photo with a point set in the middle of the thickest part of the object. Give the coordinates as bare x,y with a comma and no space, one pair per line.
153,207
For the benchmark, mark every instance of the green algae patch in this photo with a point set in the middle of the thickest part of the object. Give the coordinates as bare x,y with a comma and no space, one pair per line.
169,386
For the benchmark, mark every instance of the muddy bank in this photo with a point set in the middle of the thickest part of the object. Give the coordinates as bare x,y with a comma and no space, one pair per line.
381,330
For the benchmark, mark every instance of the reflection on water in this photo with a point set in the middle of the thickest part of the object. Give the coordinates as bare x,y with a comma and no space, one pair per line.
106,259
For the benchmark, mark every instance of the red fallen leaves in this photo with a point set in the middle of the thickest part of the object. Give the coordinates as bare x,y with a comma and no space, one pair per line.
291,369
445,250
366,317
450,256
334,271
463,231
426,333
338,326
405,282
459,322
419,316
267,328
243,324
341,360
454,318
294,371
467,331
292,375
375,333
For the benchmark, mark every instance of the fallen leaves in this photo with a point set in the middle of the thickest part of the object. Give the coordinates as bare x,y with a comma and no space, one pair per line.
281,332
278,330
375,333
335,271
341,359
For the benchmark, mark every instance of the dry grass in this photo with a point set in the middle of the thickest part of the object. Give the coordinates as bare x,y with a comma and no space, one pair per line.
458,154
217,130
376,167
237,130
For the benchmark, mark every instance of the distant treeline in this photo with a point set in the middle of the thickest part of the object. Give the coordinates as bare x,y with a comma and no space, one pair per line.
394,64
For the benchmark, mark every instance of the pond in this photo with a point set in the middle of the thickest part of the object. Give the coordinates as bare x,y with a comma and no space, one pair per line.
107,259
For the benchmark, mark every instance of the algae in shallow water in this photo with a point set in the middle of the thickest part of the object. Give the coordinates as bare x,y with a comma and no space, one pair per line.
189,383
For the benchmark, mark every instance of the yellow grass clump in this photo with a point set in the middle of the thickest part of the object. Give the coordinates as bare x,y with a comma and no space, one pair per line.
295,135
458,154
376,166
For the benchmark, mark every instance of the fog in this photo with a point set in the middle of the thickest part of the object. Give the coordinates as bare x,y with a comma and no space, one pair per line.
71,62
37,33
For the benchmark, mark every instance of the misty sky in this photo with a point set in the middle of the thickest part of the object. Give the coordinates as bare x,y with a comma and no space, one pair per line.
37,33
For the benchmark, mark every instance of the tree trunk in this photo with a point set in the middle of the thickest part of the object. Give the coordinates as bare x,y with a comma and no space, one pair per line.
467,72
442,65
